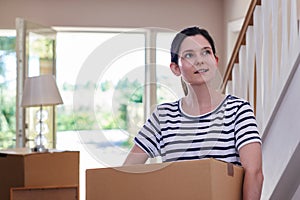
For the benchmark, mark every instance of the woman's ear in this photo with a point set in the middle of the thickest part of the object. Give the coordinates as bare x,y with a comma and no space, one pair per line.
217,59
175,69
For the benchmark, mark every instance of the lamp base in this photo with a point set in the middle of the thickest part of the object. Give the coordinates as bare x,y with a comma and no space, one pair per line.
39,148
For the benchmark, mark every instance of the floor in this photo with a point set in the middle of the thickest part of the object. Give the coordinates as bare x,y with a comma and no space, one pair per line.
98,149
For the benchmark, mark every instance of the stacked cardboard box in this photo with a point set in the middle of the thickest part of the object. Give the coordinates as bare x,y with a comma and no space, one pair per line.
27,169
43,193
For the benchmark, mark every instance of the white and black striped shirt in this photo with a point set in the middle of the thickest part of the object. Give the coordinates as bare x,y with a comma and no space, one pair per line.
175,135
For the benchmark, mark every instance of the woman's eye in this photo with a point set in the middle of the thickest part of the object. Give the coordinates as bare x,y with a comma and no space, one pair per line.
205,52
188,55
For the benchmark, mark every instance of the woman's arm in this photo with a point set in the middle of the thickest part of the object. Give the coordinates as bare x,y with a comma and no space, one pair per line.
136,156
251,159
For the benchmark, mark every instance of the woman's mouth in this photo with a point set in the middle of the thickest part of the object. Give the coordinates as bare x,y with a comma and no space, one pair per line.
201,71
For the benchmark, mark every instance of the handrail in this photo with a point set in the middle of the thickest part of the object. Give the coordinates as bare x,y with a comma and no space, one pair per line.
240,41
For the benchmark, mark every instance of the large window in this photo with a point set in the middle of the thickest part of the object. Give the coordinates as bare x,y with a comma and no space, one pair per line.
101,79
102,76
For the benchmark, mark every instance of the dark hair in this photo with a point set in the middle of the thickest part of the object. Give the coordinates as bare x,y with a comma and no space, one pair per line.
190,31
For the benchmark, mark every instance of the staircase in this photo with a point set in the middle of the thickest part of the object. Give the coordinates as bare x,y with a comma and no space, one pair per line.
265,70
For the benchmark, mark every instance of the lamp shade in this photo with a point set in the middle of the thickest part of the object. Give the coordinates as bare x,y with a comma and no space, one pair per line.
40,91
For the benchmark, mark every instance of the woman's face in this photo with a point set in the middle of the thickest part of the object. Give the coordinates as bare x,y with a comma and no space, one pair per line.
197,61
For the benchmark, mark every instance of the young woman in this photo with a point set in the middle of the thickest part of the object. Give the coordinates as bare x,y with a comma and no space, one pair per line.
205,123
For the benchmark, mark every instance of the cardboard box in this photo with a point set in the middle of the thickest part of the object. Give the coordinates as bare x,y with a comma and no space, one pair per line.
206,179
45,193
26,169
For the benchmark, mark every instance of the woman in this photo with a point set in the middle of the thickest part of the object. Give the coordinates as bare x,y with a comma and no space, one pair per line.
205,123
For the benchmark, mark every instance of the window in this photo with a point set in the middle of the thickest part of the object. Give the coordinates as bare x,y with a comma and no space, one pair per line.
7,88
101,78
169,85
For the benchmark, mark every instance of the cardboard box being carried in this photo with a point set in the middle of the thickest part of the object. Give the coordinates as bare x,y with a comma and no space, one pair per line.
206,179
26,169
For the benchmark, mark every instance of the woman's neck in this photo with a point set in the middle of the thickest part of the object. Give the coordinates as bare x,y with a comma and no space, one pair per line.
201,100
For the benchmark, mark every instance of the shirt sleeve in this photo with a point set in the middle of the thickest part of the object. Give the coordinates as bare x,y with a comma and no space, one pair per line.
246,130
149,136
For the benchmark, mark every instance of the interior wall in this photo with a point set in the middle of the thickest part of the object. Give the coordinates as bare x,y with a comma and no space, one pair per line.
166,14
235,9
114,13
234,13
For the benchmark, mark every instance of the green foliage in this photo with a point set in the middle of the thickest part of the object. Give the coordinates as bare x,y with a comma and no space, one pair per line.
7,139
74,121
105,86
87,86
127,92
8,112
130,91
137,96
128,143
68,87
123,116
80,119
8,44
7,102
107,121
43,47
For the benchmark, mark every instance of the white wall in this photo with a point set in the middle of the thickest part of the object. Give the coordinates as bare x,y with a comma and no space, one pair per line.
115,13
234,13
235,9
170,14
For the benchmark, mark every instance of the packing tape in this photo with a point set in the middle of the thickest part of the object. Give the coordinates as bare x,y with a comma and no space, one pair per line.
230,170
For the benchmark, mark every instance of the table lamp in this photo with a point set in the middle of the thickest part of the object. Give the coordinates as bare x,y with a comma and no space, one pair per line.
40,91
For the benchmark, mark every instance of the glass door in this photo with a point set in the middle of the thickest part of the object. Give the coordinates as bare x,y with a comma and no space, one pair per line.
35,49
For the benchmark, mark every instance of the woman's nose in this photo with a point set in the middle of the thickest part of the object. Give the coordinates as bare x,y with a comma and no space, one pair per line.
199,60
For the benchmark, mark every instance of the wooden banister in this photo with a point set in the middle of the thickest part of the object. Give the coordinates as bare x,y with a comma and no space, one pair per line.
240,41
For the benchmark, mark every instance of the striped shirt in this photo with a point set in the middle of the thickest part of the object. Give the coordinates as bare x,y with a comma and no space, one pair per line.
175,135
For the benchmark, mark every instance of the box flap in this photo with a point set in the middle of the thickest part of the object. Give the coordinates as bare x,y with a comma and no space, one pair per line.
16,151
225,178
